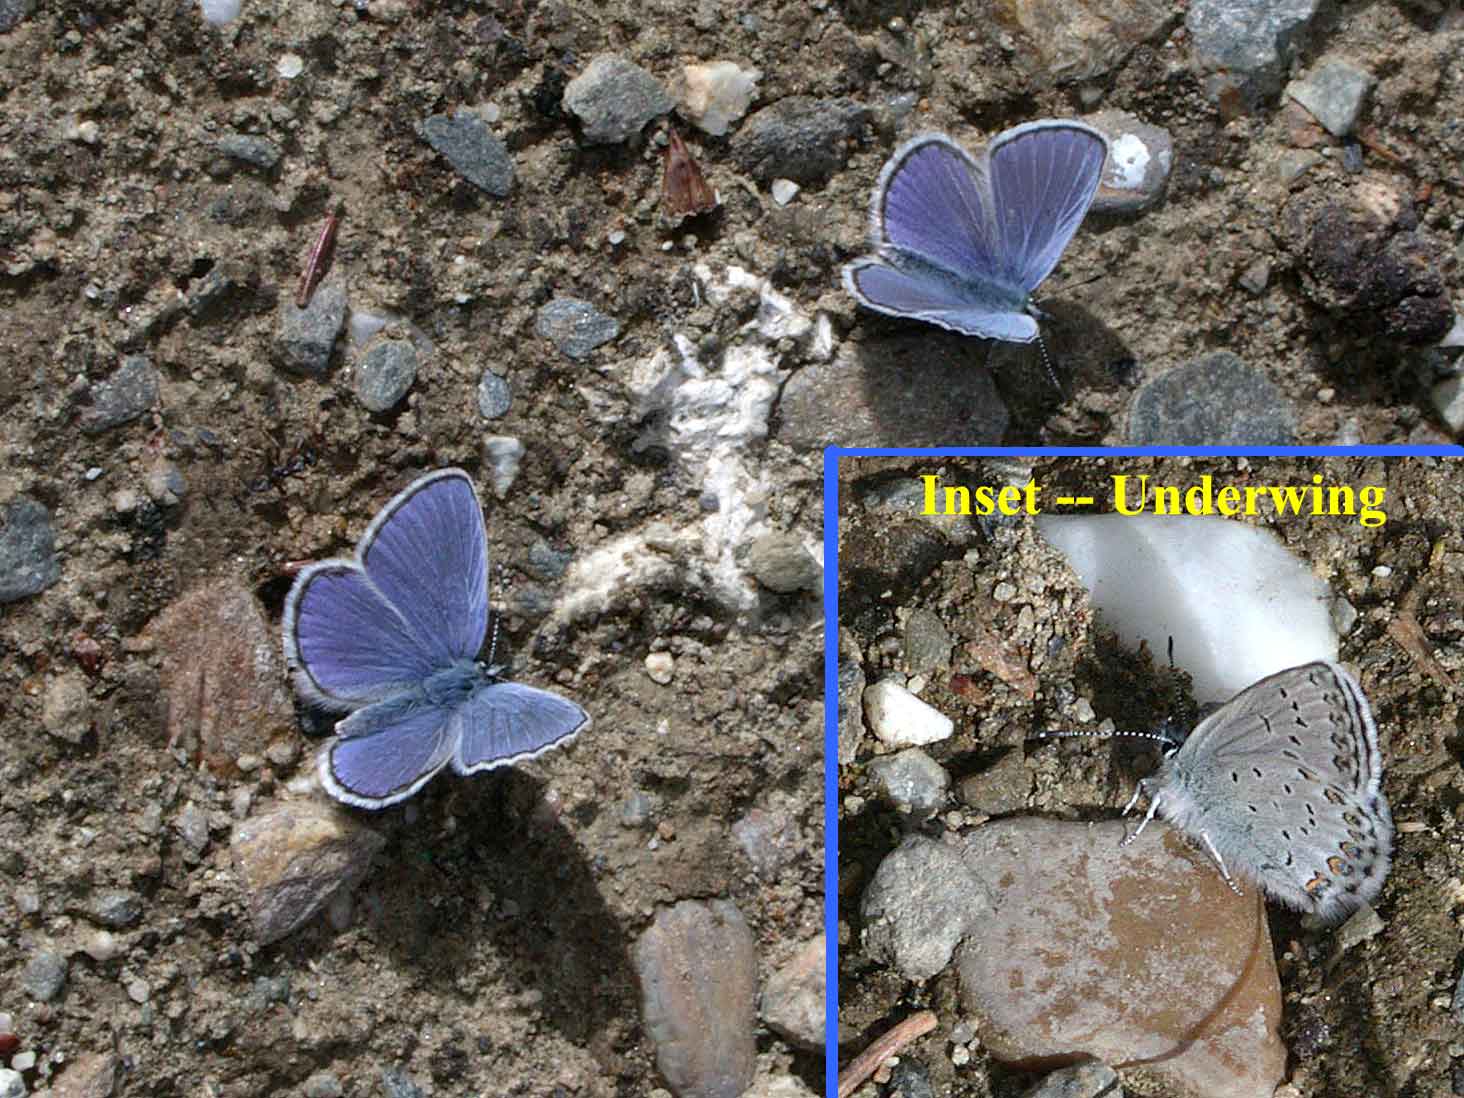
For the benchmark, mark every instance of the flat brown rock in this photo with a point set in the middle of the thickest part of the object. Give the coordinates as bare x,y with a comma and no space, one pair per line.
1138,956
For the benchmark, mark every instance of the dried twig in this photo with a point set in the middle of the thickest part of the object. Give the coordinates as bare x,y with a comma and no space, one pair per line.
867,1062
319,256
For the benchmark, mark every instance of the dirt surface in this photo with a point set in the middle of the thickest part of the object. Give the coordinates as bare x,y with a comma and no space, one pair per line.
1373,1018
487,949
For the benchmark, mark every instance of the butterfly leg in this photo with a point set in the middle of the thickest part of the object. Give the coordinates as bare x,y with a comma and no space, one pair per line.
1142,790
1221,864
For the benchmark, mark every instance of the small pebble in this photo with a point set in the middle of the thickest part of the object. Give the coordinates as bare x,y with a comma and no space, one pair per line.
44,975
575,327
635,810
385,373
138,991
784,191
494,395
306,337
323,1085
912,781
1334,94
28,563
1136,172
289,66
660,667
899,719
124,396
780,563
11,1084
475,154
23,1061
614,99
220,12
115,908
259,152
717,94
502,454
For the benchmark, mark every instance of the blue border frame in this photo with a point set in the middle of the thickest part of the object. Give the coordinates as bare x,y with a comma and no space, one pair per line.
831,640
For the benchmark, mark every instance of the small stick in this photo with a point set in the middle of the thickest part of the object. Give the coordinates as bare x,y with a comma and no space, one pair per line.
315,264
867,1062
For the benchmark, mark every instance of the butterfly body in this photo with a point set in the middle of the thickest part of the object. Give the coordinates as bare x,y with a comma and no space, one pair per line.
390,635
1283,784
962,242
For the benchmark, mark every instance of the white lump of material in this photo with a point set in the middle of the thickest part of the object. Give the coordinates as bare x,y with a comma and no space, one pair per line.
717,94
899,719
1235,601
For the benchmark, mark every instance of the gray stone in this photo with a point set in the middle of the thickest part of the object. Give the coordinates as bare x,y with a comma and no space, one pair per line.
12,1083
877,392
770,839
44,975
12,12
780,563
1088,1080
547,563
385,373
1255,278
1292,164
28,563
927,643
324,1084
295,858
911,781
66,709
474,153
697,966
260,152
165,483
307,336
494,395
922,901
1334,94
1137,169
799,138
115,908
123,397
1249,42
576,327
398,1084
614,99
1448,400
851,710
1214,401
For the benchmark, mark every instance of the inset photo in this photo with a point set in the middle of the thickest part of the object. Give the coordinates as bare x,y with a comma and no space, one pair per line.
1148,773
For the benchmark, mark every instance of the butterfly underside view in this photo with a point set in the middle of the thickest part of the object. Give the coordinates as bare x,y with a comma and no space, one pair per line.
1283,786
391,635
962,242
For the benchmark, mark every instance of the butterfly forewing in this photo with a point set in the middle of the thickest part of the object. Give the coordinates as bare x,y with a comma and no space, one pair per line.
427,552
1043,178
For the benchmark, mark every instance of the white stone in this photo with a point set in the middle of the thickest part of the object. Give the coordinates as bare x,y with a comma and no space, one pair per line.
1448,398
1236,603
502,454
1455,337
220,12
717,94
784,191
660,667
289,66
899,719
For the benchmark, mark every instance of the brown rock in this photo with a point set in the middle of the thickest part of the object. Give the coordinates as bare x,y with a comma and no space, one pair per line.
698,975
1138,956
295,858
1084,38
91,1075
227,697
793,1000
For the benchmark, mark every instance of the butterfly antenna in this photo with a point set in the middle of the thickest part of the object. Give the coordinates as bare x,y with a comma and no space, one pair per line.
501,593
1156,736
1047,364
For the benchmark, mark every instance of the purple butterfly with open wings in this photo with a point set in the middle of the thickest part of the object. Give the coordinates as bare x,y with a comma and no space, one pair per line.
391,635
963,243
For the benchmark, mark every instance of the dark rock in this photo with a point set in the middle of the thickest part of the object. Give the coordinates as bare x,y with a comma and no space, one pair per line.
799,138
123,397
474,153
1382,277
28,563
115,908
851,710
1214,401
259,152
